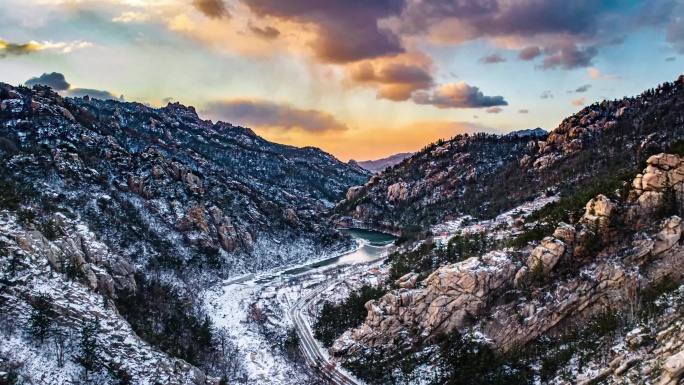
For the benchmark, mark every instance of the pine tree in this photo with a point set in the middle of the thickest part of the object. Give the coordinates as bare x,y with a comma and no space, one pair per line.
89,356
42,317
670,205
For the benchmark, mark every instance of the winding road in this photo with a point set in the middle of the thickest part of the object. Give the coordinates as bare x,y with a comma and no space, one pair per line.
316,360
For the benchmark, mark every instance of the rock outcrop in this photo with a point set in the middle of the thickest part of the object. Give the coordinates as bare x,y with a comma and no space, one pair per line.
548,253
449,297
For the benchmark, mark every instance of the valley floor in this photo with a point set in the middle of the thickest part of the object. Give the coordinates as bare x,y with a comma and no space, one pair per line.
254,312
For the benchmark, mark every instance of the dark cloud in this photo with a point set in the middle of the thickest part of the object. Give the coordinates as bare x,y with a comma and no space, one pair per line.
267,32
524,111
54,80
581,89
668,14
58,82
168,100
529,53
94,94
581,23
671,58
568,56
656,13
492,59
348,31
214,9
458,95
12,49
397,81
494,18
675,34
533,17
266,114
546,95
420,15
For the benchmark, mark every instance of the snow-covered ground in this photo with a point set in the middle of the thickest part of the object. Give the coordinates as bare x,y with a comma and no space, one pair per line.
499,225
230,304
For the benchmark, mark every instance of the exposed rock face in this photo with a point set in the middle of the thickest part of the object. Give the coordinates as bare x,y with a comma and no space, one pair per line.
548,254
662,170
450,296
674,367
668,236
598,212
355,192
397,192
565,233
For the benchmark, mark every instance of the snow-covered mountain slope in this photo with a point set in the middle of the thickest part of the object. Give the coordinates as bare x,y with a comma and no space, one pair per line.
144,209
75,275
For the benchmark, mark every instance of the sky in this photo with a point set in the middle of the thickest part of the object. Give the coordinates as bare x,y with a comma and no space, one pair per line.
361,79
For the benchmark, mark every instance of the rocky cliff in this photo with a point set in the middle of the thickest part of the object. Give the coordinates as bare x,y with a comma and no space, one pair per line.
33,266
619,249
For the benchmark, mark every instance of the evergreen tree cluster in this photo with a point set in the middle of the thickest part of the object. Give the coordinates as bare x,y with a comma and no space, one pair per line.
335,319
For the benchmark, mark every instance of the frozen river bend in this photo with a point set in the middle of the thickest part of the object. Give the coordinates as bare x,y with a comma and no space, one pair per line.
252,311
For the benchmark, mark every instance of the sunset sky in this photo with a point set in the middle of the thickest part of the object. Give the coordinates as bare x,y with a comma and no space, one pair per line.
361,79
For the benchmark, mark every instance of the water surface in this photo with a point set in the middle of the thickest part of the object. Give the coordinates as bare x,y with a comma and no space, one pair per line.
374,244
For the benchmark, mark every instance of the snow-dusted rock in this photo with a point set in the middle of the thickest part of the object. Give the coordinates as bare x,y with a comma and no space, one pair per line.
668,236
548,253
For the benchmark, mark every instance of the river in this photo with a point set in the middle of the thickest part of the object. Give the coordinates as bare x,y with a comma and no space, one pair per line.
373,245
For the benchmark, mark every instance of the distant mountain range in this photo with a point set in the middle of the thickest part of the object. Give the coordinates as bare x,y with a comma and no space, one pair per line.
530,131
381,164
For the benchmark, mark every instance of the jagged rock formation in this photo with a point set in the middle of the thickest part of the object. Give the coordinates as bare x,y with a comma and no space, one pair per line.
623,262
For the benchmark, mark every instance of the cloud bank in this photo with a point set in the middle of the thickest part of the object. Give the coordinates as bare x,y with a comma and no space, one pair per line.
267,114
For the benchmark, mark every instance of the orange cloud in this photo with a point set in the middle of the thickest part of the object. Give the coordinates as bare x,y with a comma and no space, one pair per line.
596,74
579,102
